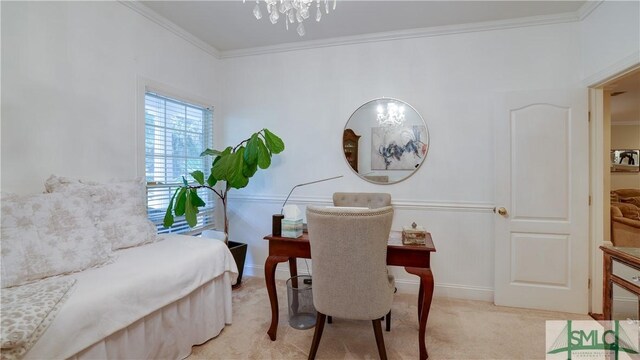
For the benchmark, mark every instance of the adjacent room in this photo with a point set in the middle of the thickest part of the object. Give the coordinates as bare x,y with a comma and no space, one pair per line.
330,179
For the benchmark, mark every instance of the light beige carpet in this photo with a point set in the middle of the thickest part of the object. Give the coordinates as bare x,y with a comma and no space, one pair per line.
456,329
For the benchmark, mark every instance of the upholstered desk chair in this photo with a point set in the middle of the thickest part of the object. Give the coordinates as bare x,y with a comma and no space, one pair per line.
368,200
350,278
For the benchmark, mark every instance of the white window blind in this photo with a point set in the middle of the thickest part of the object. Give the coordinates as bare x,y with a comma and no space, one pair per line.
176,132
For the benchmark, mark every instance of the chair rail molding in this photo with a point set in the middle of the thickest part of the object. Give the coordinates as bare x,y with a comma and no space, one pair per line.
397,204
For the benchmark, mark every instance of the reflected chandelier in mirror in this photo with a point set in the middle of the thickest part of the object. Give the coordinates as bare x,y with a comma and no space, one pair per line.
385,141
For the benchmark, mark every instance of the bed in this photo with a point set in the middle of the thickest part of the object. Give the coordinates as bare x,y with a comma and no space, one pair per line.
84,275
154,301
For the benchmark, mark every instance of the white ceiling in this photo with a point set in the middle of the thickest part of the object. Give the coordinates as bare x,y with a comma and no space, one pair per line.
230,25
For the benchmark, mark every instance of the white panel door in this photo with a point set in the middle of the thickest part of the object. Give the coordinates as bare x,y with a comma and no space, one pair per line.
541,222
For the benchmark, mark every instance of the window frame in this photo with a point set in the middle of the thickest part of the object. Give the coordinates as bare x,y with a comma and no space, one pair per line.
145,86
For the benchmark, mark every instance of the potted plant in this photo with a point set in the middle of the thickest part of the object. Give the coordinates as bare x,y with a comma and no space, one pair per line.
233,166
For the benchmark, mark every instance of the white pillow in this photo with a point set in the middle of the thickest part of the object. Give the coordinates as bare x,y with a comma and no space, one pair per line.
49,234
122,208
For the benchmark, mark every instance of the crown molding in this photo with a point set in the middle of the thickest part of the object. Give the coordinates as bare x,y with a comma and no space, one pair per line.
406,34
587,8
169,25
616,69
399,204
150,14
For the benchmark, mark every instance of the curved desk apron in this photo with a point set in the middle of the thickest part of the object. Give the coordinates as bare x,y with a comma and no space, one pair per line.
415,260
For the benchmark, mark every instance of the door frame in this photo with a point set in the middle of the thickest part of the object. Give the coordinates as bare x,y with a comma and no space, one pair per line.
597,166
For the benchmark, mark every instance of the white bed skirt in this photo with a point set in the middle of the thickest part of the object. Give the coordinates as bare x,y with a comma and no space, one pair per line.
169,333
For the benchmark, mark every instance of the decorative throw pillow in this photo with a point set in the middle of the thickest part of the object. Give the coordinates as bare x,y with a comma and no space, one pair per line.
634,200
122,208
629,211
48,234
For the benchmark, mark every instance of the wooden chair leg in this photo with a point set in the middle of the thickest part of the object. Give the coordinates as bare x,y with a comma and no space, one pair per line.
330,319
320,319
377,330
387,322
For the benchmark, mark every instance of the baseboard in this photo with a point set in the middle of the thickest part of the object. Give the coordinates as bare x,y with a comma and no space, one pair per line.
404,286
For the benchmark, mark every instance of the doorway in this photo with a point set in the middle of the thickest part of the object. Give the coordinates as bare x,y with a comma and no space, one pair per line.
614,106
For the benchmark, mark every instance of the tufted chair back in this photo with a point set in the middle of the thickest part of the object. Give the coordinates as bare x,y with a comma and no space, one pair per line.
350,278
349,252
369,200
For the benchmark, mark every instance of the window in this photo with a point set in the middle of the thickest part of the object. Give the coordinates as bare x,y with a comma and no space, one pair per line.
176,132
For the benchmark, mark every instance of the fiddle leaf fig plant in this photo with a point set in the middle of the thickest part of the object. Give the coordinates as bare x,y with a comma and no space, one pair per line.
233,166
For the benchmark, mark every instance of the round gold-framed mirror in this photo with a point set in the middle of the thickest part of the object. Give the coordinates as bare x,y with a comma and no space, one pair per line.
385,141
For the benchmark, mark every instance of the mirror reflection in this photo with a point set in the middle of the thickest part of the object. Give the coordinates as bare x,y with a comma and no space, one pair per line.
385,141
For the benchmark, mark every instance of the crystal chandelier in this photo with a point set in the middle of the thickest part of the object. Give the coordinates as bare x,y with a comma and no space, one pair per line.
394,116
292,10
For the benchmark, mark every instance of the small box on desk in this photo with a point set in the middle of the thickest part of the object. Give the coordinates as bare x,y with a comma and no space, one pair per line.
413,235
291,228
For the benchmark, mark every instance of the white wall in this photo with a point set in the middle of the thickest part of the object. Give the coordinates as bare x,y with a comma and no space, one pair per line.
307,96
610,39
69,81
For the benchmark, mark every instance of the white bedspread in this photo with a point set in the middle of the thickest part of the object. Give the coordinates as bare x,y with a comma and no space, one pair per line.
142,279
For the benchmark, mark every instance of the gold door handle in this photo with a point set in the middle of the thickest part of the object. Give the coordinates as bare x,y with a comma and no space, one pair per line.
502,211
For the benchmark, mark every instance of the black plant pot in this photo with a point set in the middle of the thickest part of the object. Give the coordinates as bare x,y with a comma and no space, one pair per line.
239,252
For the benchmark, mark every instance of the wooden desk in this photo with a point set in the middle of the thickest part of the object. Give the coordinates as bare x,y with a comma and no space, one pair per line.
626,256
415,260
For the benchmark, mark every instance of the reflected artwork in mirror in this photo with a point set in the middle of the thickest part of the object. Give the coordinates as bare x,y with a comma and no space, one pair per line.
385,141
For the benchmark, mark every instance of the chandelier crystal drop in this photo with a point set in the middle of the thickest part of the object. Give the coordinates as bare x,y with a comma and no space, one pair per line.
292,10
393,116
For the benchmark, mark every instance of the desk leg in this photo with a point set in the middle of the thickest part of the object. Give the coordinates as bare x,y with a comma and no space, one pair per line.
424,304
270,279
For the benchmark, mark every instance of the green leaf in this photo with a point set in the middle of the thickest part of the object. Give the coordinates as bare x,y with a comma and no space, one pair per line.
211,180
168,216
249,169
185,182
220,167
274,143
180,202
235,177
190,211
251,153
264,156
210,152
196,200
199,176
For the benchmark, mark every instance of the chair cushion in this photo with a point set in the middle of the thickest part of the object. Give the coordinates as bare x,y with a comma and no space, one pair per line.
49,234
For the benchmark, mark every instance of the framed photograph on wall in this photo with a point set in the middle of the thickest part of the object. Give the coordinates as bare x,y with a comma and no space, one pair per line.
625,160
398,147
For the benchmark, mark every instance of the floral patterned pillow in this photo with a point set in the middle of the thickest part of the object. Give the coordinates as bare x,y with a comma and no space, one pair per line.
48,234
122,208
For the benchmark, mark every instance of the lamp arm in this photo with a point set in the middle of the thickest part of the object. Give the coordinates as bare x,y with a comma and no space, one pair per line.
304,184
